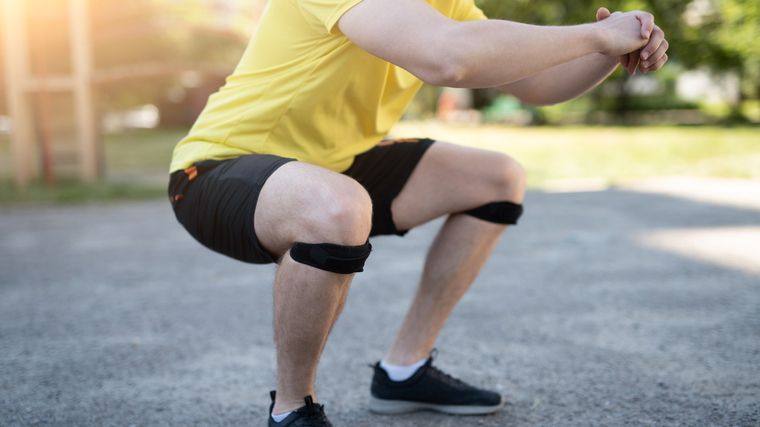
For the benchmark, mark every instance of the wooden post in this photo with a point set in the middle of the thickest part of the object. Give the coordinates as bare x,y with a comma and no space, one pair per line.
82,66
43,97
17,74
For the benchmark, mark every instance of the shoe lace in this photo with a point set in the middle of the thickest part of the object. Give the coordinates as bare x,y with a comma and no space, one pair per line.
315,415
314,420
446,378
318,419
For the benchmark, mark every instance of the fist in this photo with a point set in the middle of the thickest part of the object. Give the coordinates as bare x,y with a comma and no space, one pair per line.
649,56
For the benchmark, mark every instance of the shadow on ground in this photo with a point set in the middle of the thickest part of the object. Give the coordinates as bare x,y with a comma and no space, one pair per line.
111,315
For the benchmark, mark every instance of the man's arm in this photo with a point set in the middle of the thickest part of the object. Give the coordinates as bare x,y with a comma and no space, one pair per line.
485,53
572,79
563,82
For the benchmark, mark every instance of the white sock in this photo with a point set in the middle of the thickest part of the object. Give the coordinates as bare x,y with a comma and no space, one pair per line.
401,373
278,418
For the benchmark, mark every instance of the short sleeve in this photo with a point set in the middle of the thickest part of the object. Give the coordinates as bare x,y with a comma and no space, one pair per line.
467,11
327,12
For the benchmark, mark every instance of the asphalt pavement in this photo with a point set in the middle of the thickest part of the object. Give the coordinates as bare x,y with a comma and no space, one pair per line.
111,315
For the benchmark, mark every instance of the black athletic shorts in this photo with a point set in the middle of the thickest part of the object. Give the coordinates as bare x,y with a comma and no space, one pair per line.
215,200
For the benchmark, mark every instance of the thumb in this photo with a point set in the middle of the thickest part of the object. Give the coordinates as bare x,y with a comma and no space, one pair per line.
602,13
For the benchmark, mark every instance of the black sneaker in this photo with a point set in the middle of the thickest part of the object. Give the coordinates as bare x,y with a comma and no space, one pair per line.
310,415
429,388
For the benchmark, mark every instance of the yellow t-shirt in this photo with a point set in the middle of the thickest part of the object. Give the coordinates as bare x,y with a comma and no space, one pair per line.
303,90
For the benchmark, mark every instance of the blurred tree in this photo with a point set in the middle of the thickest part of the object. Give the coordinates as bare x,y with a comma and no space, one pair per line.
3,107
168,52
740,35
566,12
721,35
143,48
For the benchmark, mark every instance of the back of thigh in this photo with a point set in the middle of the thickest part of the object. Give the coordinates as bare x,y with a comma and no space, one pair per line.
451,178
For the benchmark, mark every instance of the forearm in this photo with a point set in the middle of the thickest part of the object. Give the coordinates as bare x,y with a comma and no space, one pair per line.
495,53
483,53
563,82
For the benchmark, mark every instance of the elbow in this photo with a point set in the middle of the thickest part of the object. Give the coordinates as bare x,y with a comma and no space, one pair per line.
541,102
452,74
449,69
455,62
446,73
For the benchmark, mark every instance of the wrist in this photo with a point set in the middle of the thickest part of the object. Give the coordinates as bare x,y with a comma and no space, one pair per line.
596,38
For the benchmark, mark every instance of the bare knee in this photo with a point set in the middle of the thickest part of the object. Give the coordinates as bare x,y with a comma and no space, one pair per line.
340,215
508,180
308,204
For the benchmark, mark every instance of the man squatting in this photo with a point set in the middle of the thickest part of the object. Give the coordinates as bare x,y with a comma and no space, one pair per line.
288,164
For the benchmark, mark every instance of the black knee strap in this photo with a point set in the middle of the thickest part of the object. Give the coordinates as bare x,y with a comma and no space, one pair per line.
334,258
498,212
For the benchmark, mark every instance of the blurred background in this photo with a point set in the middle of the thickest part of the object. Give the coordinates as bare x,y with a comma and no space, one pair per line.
634,306
94,94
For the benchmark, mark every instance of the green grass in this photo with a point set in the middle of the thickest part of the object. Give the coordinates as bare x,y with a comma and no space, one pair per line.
137,165
613,154
70,191
137,162
147,151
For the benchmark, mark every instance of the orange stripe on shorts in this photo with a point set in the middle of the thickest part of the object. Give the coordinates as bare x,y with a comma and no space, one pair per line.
191,172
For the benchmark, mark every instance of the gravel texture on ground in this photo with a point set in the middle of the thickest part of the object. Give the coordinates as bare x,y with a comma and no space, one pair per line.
111,315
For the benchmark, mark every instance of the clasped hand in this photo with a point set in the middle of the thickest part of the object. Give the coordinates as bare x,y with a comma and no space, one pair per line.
634,37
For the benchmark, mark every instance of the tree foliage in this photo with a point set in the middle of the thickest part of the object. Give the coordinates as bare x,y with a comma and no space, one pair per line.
718,34
129,37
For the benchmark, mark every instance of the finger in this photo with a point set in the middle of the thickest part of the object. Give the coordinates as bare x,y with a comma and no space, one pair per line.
658,36
633,62
624,61
653,58
656,66
602,13
647,23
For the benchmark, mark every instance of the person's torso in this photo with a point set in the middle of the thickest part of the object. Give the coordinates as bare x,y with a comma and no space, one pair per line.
303,90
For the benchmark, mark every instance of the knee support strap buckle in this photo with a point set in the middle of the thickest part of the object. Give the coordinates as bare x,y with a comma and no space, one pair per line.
498,212
333,258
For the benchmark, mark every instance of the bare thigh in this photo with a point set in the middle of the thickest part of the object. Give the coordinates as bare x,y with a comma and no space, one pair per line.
301,202
452,178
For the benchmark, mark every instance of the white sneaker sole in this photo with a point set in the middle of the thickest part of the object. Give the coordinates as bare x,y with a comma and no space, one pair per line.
382,406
